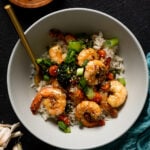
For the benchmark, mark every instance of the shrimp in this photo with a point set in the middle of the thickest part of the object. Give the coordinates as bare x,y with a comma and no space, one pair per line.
53,100
107,109
56,54
119,94
54,83
95,71
88,113
87,54
76,94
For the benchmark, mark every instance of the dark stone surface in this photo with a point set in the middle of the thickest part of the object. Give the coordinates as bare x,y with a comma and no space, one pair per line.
134,14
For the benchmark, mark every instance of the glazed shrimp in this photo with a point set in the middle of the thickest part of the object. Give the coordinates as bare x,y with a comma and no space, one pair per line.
53,100
56,54
94,72
107,109
87,54
76,94
88,113
119,94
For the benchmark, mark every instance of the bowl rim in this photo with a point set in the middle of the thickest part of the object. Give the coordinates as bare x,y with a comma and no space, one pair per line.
92,11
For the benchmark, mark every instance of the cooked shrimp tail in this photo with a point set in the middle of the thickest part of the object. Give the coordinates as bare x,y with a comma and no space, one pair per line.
36,103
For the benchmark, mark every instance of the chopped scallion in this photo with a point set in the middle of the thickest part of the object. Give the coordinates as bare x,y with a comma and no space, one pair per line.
85,63
75,45
80,71
111,42
122,80
82,83
64,127
46,77
89,93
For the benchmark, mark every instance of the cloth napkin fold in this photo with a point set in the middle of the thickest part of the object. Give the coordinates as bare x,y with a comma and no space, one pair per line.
138,136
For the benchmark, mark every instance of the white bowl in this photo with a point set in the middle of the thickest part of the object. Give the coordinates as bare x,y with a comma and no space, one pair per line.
78,20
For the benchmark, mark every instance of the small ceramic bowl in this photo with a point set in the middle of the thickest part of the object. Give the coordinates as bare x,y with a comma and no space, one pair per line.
77,20
31,3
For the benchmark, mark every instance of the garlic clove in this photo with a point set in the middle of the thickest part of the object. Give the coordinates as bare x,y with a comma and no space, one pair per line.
18,146
5,134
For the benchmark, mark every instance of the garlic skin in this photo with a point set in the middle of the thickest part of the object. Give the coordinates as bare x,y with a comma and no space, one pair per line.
18,146
7,133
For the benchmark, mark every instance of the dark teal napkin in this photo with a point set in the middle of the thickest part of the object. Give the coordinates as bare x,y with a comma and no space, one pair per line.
138,136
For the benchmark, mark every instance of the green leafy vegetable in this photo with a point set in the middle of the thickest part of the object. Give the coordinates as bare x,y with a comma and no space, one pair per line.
44,64
122,80
111,42
65,73
89,92
46,77
86,39
75,45
64,127
82,83
67,69
80,71
71,56
85,63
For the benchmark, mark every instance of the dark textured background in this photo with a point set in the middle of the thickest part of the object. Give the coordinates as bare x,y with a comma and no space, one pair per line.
134,14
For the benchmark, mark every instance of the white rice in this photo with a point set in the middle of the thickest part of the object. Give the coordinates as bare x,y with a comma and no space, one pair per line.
117,61
98,41
43,113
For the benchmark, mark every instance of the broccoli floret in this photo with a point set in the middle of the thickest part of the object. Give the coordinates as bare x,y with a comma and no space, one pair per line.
67,70
44,64
71,56
65,73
